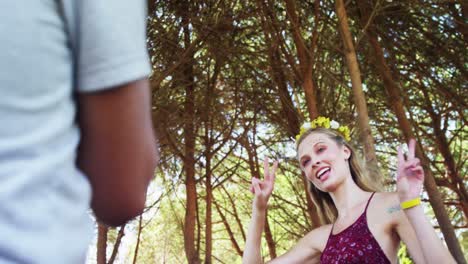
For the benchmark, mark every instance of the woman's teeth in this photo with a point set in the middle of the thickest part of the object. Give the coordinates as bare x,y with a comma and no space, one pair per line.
322,172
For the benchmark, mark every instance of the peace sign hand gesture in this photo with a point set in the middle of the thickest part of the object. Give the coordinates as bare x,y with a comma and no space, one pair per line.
263,189
410,174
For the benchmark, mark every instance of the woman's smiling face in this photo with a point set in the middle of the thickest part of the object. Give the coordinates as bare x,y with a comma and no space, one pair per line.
324,162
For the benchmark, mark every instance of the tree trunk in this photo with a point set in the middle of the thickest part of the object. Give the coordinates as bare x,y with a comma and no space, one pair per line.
150,7
394,99
306,65
118,240
363,116
255,173
229,230
288,110
102,244
209,198
208,141
137,246
305,59
449,162
234,212
189,157
190,182
199,229
269,239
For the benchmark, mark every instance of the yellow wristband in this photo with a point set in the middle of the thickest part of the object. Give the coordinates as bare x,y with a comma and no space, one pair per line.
410,203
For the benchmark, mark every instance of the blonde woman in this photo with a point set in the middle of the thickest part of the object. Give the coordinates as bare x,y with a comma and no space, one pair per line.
364,226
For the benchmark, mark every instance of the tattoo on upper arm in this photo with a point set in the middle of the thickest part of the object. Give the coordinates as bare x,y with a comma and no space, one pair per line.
393,209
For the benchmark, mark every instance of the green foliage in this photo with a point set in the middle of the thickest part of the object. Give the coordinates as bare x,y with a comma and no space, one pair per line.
403,257
463,238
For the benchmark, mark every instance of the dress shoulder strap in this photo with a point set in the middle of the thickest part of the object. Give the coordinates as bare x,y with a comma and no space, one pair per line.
368,201
331,231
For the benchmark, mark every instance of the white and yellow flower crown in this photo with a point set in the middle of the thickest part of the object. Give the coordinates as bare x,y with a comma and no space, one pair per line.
324,122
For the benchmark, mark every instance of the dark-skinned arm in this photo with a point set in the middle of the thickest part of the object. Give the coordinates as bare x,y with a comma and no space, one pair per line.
117,150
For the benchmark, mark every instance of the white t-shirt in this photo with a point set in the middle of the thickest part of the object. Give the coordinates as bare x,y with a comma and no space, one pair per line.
50,50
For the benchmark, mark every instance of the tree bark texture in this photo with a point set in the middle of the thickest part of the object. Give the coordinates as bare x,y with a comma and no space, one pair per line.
137,246
102,244
209,198
269,239
118,240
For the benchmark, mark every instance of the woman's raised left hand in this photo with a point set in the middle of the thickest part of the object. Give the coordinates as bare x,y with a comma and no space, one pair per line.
410,174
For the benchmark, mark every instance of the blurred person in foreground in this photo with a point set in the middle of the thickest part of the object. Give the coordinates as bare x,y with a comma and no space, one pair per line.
75,127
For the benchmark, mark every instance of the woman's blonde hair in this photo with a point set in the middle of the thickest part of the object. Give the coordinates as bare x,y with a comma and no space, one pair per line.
322,200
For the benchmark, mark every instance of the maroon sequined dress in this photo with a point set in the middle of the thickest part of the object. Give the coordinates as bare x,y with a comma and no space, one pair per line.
355,244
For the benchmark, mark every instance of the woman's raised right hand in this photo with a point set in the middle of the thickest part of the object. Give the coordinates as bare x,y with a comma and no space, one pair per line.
263,189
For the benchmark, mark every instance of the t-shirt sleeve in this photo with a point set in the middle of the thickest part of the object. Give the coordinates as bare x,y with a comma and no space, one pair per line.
109,43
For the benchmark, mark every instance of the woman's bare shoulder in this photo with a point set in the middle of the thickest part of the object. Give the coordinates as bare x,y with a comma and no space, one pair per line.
318,236
387,205
387,198
308,249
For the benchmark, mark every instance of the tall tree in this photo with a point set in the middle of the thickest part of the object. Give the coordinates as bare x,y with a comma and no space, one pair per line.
305,55
289,112
359,98
189,157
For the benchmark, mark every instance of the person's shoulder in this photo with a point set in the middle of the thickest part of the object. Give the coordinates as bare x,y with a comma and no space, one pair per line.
387,197
388,204
318,236
323,229
308,248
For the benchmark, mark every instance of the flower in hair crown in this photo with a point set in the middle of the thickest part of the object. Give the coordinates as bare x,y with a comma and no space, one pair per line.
324,122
